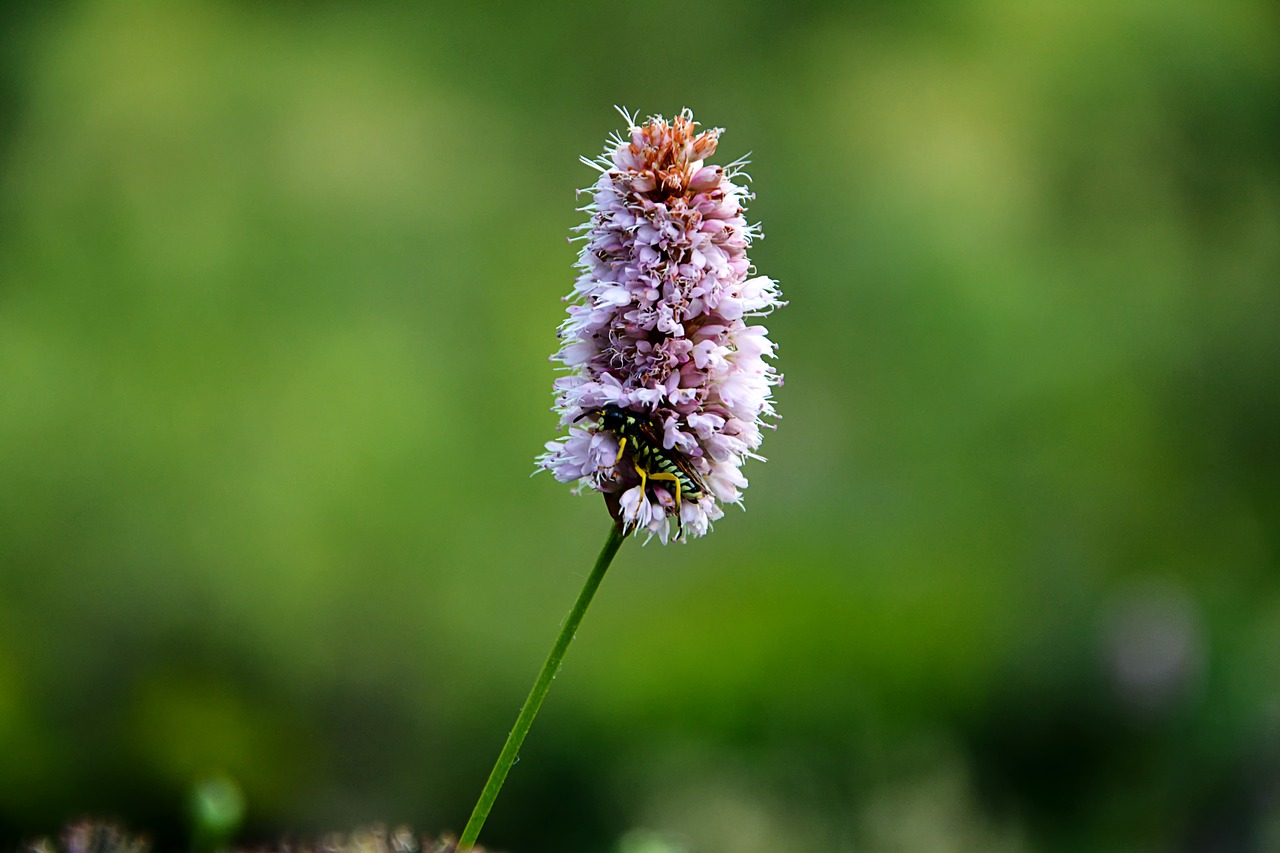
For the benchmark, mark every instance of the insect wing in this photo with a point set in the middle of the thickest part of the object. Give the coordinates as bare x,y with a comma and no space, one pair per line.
686,467
649,432
646,431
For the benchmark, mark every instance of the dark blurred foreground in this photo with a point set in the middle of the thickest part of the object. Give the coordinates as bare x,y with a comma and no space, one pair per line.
93,837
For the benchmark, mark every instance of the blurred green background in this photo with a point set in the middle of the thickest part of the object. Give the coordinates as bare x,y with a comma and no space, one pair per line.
278,286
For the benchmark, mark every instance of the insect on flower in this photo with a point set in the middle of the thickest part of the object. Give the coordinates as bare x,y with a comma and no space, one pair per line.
650,459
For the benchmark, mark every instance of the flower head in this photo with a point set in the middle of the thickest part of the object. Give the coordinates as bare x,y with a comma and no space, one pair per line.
668,384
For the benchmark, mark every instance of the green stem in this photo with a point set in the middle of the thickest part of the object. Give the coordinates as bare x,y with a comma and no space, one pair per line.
539,692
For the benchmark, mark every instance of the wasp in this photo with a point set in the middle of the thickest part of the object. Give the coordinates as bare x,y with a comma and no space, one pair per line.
651,459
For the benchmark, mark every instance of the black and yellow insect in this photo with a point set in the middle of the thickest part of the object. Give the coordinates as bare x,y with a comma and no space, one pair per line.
652,461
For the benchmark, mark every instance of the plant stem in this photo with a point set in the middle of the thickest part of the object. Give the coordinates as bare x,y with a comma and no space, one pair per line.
539,692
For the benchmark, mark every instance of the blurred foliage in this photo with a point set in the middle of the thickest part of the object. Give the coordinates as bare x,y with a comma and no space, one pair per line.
278,284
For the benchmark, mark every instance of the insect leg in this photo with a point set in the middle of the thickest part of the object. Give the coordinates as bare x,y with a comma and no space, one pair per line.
673,478
644,475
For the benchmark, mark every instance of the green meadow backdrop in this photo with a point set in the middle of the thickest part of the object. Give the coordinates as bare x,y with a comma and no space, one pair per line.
278,286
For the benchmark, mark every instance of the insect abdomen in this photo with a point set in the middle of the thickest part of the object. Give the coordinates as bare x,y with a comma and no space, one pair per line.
656,457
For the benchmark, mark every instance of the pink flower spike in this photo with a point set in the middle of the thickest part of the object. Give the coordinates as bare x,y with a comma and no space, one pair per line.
662,361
